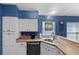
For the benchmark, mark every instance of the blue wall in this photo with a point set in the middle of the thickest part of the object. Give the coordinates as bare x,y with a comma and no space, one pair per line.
0,30
59,29
28,14
9,10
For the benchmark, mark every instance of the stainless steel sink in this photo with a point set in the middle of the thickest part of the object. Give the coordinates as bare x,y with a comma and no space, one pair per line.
49,40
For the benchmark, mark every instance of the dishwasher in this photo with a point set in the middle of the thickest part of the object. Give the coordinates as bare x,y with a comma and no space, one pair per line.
33,48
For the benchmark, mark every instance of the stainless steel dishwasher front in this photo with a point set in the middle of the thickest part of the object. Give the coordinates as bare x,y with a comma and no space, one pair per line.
33,48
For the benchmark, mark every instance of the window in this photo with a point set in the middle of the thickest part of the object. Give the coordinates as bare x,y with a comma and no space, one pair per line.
73,31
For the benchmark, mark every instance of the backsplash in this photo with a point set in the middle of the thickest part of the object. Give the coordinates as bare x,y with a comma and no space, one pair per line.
28,33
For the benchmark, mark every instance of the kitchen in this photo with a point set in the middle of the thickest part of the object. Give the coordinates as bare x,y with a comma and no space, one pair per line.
39,29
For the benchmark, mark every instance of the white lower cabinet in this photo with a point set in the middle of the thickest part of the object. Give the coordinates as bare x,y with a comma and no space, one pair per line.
47,49
21,48
10,46
9,50
9,43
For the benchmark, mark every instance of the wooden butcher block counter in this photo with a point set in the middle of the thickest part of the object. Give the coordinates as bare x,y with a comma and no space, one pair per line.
27,39
65,45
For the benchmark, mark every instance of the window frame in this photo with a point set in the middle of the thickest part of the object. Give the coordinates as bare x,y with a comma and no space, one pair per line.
73,32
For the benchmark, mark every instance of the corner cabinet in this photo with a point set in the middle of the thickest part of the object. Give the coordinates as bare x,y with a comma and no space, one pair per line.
28,25
49,49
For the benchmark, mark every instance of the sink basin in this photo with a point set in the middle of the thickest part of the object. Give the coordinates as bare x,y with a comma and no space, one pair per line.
49,40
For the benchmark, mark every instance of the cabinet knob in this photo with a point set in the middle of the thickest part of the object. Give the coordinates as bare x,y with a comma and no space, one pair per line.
8,33
45,48
48,49
58,52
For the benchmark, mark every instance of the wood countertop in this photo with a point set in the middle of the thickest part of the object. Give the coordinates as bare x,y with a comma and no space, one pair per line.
67,46
29,40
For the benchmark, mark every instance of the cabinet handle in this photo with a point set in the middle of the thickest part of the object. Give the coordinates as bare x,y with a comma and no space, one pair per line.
32,43
45,48
6,46
21,44
48,49
59,52
8,33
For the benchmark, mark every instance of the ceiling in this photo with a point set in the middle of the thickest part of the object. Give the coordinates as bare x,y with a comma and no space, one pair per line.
60,9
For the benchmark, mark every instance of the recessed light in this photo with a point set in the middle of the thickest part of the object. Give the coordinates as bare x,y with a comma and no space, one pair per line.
53,11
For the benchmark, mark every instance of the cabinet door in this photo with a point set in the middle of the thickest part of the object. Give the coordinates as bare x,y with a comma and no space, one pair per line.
52,50
60,52
9,50
9,42
43,49
21,48
47,49
20,22
34,25
28,24
9,23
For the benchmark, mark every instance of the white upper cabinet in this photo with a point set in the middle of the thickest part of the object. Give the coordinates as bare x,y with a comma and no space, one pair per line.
9,23
28,25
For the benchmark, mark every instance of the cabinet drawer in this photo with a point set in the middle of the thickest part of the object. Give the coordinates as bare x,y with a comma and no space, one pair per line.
21,45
